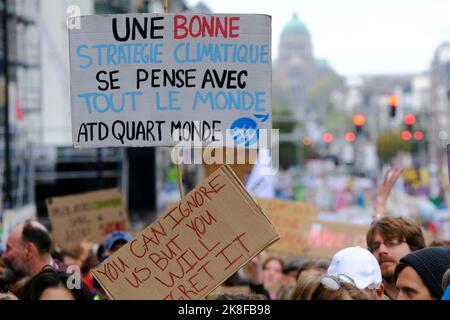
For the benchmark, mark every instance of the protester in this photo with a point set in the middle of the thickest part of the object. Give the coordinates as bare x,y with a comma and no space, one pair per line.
52,284
384,190
389,239
267,275
439,243
361,266
419,274
239,296
312,268
114,241
28,250
328,287
290,277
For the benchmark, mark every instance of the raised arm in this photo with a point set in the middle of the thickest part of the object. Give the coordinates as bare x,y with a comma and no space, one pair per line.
384,191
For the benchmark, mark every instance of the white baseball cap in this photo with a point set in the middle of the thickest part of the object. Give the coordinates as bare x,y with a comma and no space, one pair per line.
358,264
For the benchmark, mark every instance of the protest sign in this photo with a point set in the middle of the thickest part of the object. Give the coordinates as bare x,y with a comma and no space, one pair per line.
152,79
288,217
325,238
13,217
94,214
193,247
229,156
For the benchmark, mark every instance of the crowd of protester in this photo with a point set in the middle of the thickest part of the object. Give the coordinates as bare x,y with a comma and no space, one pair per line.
396,265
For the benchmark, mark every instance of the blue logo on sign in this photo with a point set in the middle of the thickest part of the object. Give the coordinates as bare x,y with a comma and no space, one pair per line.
245,131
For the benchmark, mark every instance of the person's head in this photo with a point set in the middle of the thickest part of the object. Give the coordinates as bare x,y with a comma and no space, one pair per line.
327,287
391,238
312,268
272,270
291,269
239,296
439,243
52,284
419,274
361,267
115,241
28,248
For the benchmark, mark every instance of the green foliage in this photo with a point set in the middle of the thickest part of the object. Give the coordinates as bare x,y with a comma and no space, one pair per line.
284,126
337,121
389,144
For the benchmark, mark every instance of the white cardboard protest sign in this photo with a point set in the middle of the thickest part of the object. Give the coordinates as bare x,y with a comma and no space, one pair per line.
193,247
94,214
137,78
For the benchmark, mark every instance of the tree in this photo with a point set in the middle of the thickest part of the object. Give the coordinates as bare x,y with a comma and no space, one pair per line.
389,144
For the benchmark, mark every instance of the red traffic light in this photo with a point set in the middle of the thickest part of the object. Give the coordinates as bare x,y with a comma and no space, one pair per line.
410,119
327,137
359,120
406,135
350,136
418,135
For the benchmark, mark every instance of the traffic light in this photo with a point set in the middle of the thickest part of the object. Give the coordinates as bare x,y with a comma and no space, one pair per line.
406,135
350,136
409,121
393,103
359,121
418,135
327,137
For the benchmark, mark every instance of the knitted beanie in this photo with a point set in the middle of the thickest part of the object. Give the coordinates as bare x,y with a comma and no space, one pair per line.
430,264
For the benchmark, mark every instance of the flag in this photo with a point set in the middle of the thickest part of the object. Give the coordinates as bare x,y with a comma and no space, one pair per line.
261,183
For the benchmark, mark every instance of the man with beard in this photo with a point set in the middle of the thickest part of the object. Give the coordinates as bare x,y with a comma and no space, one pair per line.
28,250
390,239
419,274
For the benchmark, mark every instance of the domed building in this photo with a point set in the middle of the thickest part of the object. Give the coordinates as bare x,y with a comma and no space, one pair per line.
296,67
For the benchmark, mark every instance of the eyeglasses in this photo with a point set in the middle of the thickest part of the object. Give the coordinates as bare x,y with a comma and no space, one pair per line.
334,282
388,243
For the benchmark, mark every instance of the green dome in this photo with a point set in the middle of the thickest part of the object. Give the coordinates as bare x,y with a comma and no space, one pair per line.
295,26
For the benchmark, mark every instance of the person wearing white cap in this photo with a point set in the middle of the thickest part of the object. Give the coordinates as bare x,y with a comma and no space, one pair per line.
360,268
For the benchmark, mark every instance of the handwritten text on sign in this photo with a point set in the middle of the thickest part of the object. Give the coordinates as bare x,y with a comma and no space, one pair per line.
149,80
193,247
94,214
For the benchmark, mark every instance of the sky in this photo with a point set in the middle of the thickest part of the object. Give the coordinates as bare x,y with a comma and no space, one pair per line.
359,37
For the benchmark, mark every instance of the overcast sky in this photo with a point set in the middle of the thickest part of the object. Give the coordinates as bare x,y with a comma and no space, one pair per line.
359,36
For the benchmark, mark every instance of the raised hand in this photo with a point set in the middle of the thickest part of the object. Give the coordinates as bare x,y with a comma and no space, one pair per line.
384,190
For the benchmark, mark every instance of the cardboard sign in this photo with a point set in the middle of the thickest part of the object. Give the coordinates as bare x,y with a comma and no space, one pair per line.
324,238
193,247
243,170
94,214
154,80
288,218
12,217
